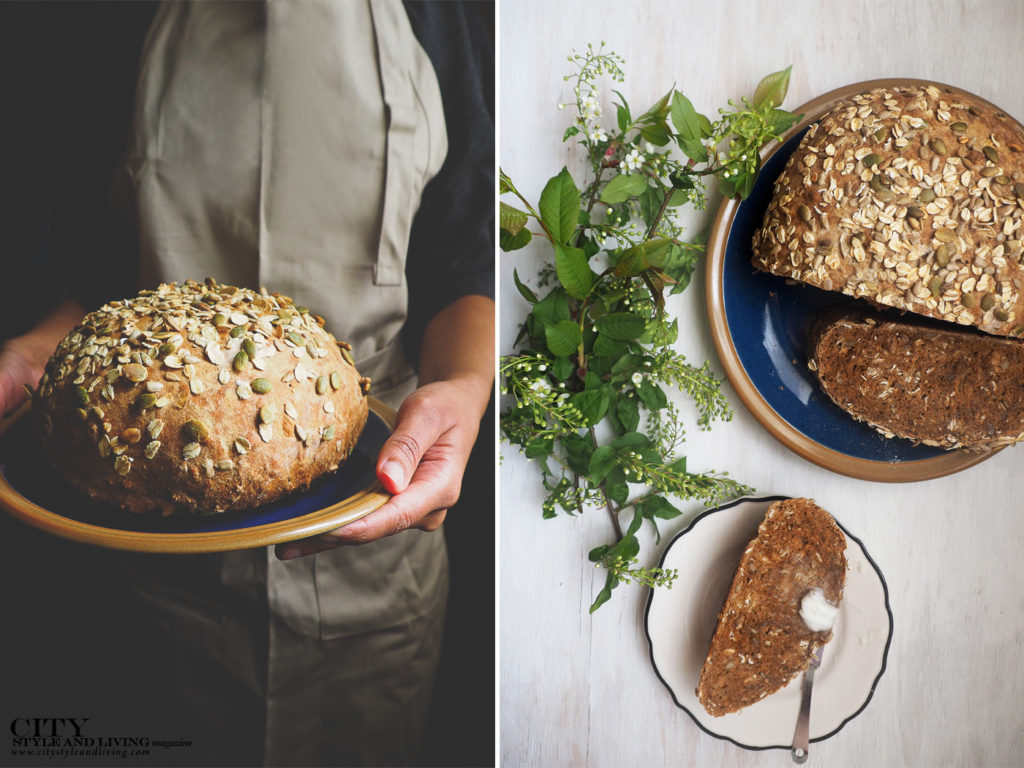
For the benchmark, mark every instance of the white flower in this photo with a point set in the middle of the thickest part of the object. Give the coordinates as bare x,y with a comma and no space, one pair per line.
633,160
561,106
649,148
597,134
636,378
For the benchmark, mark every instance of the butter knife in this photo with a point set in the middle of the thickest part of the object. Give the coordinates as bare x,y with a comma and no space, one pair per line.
801,739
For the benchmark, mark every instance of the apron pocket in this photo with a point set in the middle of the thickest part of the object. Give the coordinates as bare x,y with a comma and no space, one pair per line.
383,584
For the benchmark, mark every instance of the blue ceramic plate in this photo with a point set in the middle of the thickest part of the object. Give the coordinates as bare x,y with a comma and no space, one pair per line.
760,325
29,491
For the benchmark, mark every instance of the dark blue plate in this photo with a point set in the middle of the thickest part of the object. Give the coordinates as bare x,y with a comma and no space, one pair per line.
761,324
29,490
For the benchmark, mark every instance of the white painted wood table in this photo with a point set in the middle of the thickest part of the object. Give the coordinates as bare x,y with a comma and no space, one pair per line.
578,690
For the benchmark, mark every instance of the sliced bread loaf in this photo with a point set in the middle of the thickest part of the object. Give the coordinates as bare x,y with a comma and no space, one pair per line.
911,197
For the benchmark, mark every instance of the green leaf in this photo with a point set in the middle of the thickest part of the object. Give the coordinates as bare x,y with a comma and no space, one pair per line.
656,133
514,242
771,91
658,506
512,219
625,363
563,338
537,449
622,112
571,131
605,594
578,452
684,118
527,294
694,150
626,548
658,112
652,395
779,121
604,346
615,486
553,308
593,404
630,441
560,206
623,187
602,461
679,465
628,412
634,526
621,326
563,368
597,553
706,129
504,183
573,270
632,262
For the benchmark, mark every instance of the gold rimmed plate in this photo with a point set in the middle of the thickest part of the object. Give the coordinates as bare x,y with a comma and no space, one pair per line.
760,325
30,491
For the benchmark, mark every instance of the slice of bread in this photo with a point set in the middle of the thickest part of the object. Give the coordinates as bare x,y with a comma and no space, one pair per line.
949,388
761,642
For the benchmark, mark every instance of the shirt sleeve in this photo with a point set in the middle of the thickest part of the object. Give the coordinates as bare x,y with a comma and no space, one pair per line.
451,246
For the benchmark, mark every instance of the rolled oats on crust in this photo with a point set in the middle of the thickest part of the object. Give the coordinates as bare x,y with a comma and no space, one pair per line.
911,197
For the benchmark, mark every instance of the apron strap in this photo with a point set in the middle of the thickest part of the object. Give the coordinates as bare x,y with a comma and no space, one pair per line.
399,205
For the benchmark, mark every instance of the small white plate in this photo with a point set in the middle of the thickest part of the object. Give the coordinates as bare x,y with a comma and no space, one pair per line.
679,624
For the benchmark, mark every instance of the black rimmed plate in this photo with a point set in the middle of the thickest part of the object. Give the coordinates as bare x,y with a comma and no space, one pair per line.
679,624
30,492
760,325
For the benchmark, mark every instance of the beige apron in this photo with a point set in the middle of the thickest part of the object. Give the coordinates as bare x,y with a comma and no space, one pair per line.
286,145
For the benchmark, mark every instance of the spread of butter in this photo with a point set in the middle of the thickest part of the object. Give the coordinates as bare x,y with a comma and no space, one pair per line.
818,613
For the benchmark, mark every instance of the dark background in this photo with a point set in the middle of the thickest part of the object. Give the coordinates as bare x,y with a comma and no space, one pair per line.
57,143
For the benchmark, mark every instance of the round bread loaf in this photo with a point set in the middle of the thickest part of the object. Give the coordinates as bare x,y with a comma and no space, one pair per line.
910,197
198,398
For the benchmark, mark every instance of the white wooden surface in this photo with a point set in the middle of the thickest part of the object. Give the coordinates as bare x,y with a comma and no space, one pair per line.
579,690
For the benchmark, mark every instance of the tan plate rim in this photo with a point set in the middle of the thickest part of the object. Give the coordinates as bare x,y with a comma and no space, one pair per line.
780,429
360,504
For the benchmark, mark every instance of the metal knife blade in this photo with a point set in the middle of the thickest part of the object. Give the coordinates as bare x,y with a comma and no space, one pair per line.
801,739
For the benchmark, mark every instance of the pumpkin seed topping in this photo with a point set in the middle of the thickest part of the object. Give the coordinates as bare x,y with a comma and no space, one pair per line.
197,431
135,372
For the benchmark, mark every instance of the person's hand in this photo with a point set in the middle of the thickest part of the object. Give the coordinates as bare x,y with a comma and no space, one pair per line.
421,463
22,359
16,370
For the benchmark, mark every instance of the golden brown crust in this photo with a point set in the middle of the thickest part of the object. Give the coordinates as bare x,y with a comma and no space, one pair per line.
198,397
909,197
947,388
761,642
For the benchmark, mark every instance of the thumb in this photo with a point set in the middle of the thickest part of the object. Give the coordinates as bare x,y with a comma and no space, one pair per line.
414,433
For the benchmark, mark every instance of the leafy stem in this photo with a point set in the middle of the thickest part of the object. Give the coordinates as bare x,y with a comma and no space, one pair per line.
595,348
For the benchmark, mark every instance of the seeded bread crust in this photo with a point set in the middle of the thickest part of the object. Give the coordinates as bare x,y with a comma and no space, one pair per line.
946,388
198,398
912,198
761,642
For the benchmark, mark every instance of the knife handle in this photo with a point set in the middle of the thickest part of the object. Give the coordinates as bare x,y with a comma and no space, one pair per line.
801,738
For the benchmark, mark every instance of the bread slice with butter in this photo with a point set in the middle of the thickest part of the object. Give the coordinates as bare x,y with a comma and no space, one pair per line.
761,642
